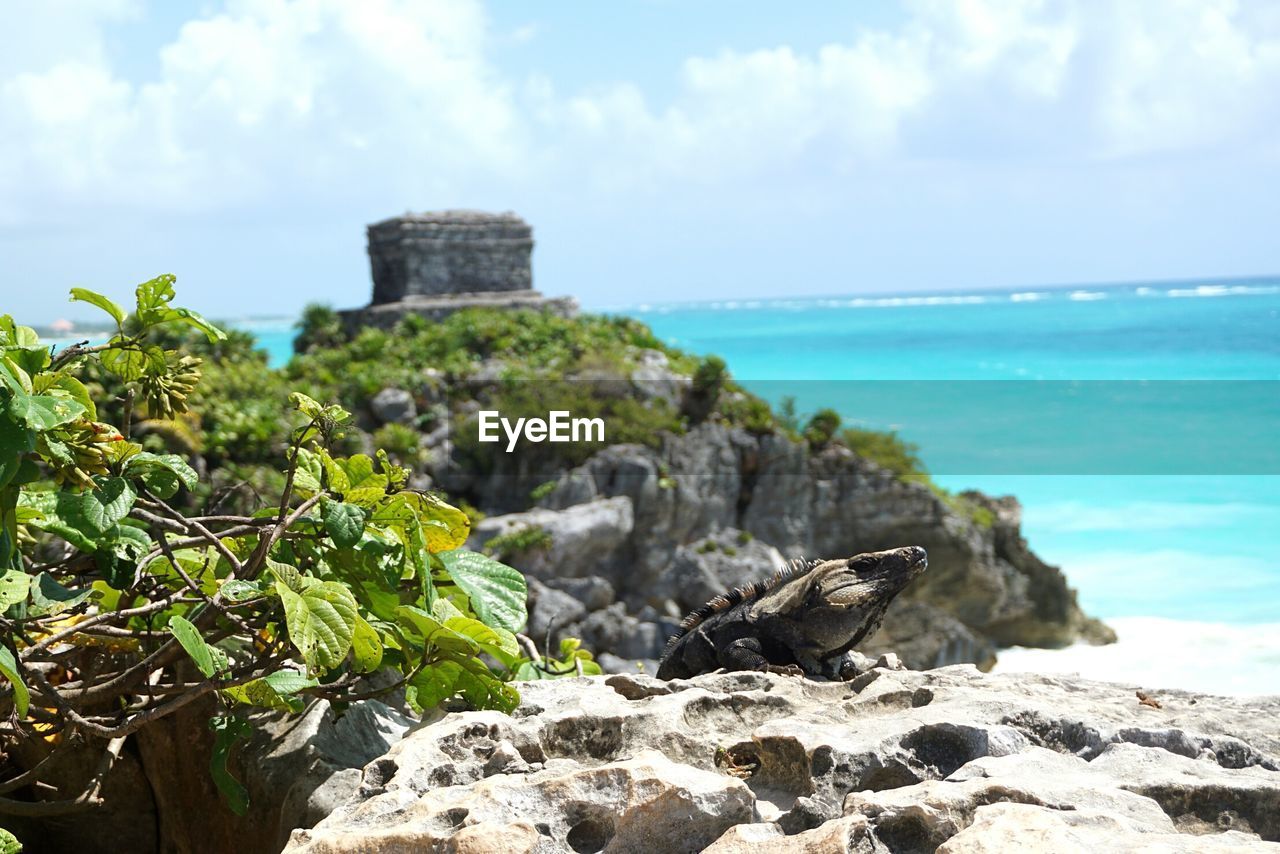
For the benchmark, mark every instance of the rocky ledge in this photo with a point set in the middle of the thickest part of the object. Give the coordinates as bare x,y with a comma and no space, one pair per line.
894,761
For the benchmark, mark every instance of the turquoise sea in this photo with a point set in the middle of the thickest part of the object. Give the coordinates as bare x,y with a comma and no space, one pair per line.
1185,565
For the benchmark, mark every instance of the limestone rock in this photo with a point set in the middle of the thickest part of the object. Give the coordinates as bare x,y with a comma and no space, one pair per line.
896,760
393,406
654,381
722,560
645,802
1002,827
584,540
984,587
926,636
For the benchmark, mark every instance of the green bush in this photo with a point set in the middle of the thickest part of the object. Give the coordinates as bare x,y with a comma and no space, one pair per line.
319,327
400,441
822,428
335,571
887,449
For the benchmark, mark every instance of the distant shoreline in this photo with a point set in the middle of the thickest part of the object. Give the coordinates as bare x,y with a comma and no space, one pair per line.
61,337
1175,288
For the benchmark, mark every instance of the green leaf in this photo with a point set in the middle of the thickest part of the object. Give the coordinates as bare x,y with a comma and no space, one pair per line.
229,730
48,597
117,573
308,406
9,843
161,473
128,542
43,412
21,346
289,681
497,592
286,574
61,513
273,691
119,552
335,473
68,386
364,486
14,586
444,526
15,441
14,376
434,632
238,590
499,643
153,296
344,522
9,667
131,361
366,647
469,678
109,503
93,298
191,318
306,478
321,620
201,653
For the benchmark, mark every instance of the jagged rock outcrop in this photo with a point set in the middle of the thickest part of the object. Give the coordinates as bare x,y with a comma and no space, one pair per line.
948,760
691,501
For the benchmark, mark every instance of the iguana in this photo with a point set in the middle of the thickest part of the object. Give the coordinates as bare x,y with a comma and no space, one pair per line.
803,620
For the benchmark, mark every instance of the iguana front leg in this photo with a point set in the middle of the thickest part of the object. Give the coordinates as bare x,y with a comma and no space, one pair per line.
748,654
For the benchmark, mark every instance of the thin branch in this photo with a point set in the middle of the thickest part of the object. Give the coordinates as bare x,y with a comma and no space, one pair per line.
150,608
198,590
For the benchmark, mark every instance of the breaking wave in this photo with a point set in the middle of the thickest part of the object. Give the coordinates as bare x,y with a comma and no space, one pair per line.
1155,652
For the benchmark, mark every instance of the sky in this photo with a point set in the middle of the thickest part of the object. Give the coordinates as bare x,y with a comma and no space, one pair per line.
661,149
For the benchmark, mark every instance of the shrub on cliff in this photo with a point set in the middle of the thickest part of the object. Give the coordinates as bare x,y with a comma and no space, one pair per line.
822,428
127,592
886,449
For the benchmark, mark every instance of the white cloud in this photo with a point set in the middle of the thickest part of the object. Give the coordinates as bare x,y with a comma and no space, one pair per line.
1035,77
308,98
268,95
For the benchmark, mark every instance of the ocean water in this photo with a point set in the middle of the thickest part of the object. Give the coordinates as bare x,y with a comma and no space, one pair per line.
1185,564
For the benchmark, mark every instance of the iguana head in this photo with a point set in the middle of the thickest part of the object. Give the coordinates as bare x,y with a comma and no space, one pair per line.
867,578
838,603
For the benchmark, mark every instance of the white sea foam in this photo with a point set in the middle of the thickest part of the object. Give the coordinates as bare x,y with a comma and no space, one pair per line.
898,302
1078,516
913,300
1224,291
1155,652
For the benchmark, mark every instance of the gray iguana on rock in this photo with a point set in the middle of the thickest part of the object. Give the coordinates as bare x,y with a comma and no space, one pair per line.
803,620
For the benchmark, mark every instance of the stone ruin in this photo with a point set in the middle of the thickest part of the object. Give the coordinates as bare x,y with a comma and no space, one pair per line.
433,264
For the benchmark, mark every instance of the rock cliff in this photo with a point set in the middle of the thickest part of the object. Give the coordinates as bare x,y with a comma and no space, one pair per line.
720,506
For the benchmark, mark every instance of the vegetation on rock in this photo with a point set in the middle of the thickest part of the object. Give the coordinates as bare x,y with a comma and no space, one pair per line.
176,523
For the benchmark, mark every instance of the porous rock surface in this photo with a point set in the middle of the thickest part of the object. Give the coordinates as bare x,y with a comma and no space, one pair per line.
895,761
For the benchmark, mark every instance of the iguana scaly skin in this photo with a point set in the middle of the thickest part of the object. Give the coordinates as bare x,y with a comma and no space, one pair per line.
803,620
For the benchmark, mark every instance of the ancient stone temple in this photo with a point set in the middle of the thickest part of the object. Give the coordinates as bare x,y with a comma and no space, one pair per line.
434,264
